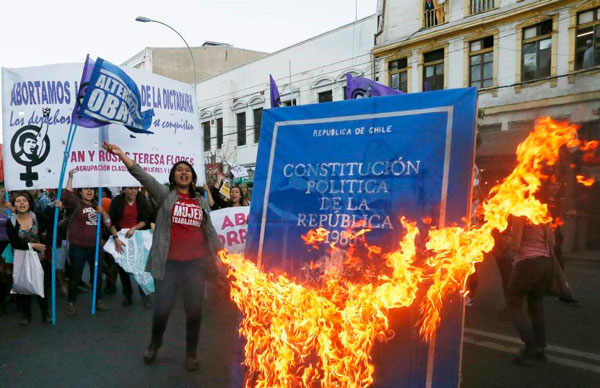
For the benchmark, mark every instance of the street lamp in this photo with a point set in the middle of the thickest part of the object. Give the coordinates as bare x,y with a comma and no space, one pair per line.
144,19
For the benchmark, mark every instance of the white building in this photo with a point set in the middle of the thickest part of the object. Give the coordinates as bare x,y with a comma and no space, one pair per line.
312,71
529,58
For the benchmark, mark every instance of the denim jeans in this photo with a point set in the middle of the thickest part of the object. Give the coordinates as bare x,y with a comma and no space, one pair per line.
529,279
78,257
190,276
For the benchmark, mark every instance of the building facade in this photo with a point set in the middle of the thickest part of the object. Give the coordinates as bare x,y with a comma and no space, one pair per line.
528,58
175,62
309,72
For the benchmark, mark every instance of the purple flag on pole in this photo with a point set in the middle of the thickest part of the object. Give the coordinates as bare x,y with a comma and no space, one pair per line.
275,100
85,80
361,87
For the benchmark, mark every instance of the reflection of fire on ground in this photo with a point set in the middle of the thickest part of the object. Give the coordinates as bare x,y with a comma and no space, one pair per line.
320,331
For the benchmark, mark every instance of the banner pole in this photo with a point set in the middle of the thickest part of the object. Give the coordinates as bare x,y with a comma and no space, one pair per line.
99,222
69,144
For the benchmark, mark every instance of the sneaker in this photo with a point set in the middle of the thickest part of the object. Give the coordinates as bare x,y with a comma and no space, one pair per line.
25,321
151,352
101,306
71,309
47,318
126,301
569,301
469,301
527,354
191,363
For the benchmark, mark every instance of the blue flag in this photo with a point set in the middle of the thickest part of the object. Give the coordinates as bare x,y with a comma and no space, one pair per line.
361,87
275,100
85,80
112,97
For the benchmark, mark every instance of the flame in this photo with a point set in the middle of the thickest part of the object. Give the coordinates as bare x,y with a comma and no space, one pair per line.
303,334
315,237
586,182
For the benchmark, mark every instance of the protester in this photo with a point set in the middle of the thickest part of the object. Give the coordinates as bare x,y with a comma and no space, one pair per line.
5,265
23,232
237,197
531,274
82,240
183,252
129,210
245,192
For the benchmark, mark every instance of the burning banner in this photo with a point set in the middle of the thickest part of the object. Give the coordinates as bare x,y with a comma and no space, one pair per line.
340,170
355,314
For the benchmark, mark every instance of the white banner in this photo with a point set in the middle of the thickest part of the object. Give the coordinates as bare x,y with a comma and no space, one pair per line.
134,256
231,225
36,113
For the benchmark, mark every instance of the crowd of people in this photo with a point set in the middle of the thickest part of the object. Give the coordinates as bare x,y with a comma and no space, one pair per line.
182,256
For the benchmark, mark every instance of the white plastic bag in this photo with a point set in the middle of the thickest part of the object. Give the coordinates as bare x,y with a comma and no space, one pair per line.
28,274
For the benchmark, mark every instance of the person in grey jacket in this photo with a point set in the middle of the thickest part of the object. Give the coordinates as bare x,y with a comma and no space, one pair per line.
184,250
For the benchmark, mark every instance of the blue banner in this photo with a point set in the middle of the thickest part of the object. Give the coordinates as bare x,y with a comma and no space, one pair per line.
369,160
113,97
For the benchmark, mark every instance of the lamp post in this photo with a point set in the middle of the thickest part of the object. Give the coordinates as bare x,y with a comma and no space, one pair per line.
144,19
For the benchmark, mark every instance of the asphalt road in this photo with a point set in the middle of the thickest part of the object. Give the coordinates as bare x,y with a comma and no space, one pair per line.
573,335
106,350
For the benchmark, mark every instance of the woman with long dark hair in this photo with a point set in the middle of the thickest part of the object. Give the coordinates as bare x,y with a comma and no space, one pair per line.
23,231
237,197
82,239
131,211
183,253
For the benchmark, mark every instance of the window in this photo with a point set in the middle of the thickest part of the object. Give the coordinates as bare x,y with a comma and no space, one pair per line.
537,47
291,102
219,133
489,128
257,122
433,70
434,12
206,135
481,62
241,128
479,6
587,42
326,96
398,71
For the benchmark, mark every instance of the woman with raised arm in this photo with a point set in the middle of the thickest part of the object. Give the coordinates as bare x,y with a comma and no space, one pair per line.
184,250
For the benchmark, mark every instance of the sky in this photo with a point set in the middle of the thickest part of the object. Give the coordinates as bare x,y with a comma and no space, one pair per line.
42,32
60,31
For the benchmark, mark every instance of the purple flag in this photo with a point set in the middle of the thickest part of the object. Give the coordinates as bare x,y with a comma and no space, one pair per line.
85,80
426,87
275,100
361,87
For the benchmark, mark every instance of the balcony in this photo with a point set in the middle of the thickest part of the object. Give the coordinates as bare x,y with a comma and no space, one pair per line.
435,13
481,6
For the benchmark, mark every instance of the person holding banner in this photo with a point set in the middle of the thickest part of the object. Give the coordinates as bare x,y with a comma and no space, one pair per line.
237,197
23,233
82,239
183,254
129,210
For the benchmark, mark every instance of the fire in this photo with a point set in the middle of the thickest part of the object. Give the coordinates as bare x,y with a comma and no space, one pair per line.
586,182
302,334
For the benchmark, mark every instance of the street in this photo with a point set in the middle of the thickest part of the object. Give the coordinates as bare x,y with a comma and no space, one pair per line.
106,350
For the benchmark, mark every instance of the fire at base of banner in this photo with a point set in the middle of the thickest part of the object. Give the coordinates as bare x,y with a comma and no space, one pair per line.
305,335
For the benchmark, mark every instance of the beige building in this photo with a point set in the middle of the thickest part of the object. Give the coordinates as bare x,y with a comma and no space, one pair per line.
211,58
528,58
